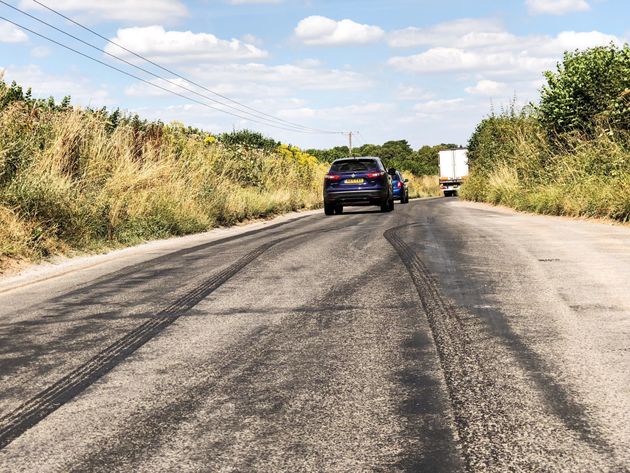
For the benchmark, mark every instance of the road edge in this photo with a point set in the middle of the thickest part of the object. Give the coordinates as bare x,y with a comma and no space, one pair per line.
63,265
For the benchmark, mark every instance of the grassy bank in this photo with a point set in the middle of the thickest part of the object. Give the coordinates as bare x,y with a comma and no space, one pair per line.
81,180
423,186
579,177
568,155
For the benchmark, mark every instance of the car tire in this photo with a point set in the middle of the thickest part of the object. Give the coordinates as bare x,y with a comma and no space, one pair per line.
405,199
338,209
385,206
390,205
329,209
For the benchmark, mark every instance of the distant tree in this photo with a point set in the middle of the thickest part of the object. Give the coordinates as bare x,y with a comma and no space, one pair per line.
65,103
251,139
113,120
15,93
329,155
395,154
367,150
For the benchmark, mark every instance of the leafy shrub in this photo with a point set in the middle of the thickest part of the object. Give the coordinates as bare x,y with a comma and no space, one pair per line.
248,138
590,88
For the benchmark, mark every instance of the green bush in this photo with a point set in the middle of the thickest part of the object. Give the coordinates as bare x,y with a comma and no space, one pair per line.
589,90
250,139
568,156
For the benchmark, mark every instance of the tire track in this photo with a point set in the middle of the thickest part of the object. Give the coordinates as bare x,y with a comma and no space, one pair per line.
462,370
50,399
485,424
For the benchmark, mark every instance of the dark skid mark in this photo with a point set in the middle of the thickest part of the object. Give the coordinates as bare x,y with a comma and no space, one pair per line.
451,340
247,363
138,269
449,336
423,409
33,411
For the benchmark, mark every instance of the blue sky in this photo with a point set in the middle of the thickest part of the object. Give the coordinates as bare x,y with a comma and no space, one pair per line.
399,69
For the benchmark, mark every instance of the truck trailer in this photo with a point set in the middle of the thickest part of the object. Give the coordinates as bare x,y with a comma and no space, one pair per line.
453,170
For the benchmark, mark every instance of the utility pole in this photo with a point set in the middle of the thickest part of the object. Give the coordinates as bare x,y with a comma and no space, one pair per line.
350,135
350,143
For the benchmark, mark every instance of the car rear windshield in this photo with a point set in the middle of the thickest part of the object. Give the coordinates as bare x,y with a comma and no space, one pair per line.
355,165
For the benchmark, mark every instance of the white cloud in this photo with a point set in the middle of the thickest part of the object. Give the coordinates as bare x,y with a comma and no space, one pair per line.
235,89
251,39
571,40
309,62
289,76
409,92
556,7
254,2
175,84
438,106
439,60
447,33
527,55
11,34
488,88
142,11
322,31
82,90
170,47
357,113
252,81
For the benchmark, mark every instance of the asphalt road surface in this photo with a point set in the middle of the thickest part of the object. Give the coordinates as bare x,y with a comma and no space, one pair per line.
442,337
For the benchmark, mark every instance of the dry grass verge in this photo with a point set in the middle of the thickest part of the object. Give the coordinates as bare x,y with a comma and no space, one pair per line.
70,180
423,186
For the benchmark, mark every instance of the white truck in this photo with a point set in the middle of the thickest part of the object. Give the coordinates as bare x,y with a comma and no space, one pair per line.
453,170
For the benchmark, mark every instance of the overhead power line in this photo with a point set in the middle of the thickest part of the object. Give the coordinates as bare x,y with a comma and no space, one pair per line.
152,84
134,65
251,113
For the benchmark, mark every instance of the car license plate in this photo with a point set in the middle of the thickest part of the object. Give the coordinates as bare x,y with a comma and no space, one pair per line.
354,181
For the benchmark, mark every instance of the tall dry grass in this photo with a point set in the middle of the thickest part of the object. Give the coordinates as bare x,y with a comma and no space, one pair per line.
68,180
573,176
423,186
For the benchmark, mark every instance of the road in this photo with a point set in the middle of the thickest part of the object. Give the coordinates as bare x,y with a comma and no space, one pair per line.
443,337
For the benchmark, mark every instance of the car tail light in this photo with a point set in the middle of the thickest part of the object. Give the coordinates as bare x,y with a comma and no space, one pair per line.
332,177
399,184
372,175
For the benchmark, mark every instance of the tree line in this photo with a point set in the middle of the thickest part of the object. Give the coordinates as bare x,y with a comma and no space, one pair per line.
396,153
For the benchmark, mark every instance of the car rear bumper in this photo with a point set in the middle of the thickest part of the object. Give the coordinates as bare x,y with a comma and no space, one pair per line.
357,197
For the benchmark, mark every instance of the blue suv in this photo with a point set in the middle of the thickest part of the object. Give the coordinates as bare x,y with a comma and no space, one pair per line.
357,181
399,183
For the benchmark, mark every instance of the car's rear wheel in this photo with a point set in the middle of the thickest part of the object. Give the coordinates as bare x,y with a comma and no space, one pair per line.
390,205
329,209
385,206
338,209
